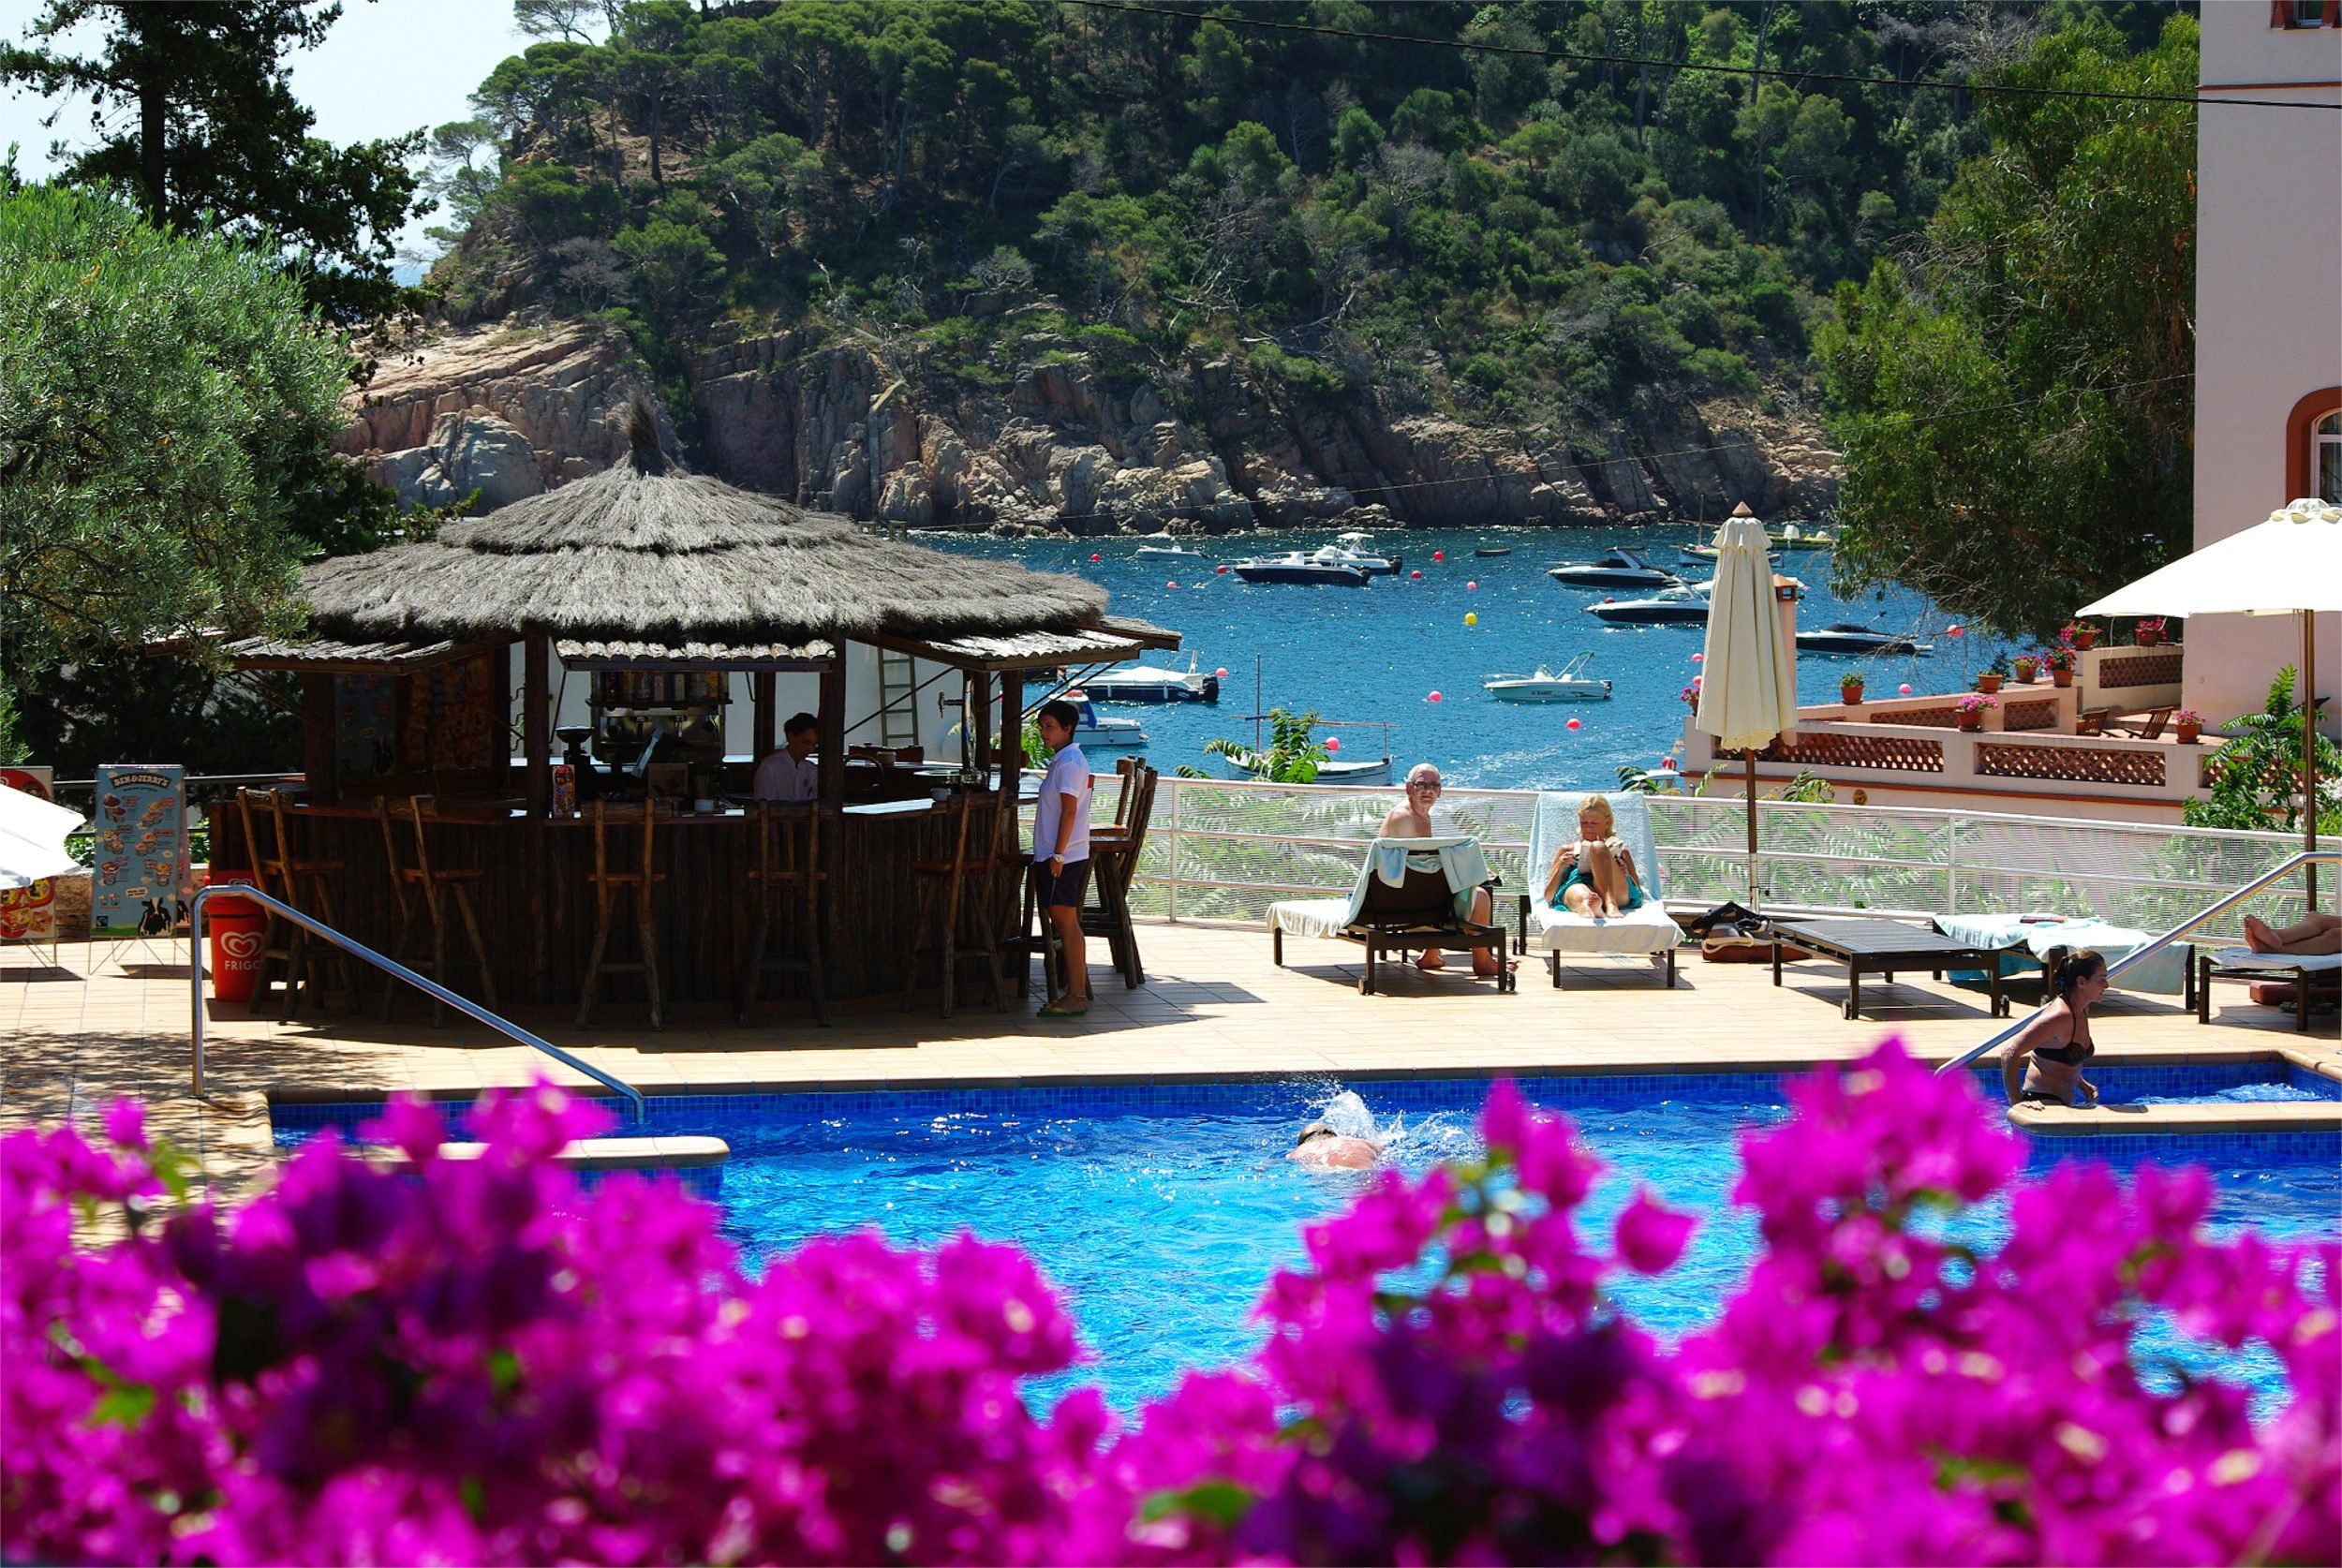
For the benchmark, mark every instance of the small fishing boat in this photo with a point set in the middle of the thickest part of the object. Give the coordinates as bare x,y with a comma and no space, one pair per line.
1684,604
1180,550
1154,683
1095,732
1333,768
1486,551
1358,549
1846,637
1295,567
1801,536
1569,685
1616,569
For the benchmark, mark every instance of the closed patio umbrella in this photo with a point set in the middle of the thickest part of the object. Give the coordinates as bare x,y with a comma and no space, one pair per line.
32,838
1748,671
2289,565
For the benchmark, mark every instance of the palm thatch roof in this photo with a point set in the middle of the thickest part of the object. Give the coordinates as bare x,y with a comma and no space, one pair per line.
643,551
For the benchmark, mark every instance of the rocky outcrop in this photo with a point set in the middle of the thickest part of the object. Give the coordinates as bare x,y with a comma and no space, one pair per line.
507,410
1206,447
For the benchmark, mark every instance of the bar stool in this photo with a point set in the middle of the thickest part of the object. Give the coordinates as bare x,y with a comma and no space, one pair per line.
306,884
435,886
946,924
787,860
1114,853
637,886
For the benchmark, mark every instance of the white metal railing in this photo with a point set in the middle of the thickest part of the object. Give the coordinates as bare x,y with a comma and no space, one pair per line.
1222,850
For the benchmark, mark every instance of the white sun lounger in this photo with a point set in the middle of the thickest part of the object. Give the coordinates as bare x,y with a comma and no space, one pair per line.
1649,932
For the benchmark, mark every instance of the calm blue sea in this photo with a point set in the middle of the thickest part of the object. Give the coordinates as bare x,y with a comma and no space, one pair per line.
1377,653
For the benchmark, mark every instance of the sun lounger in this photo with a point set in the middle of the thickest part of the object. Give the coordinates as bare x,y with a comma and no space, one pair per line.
1411,894
2308,971
1649,932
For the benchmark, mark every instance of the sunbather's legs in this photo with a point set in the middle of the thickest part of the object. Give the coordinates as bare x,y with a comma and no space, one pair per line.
1607,876
1580,899
2319,933
1484,959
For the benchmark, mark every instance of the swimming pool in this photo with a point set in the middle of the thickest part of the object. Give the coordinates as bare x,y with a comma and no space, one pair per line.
1160,1210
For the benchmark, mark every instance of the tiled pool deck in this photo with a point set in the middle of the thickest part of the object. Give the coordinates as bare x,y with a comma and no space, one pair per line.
107,1022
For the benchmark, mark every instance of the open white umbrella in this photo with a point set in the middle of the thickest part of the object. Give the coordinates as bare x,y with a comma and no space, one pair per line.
2290,565
1748,671
32,838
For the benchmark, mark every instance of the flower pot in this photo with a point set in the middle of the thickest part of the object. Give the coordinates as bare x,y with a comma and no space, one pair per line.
1988,683
2187,733
1971,721
2086,638
2061,677
2149,639
2027,673
1850,695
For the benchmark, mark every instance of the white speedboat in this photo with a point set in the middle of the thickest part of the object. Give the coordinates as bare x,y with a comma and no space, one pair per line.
1358,549
1616,569
1569,685
1684,604
1330,770
1320,569
1847,637
1154,683
1095,732
1180,550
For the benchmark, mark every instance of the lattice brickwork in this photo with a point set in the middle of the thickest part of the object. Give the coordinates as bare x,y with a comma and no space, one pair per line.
1822,748
1919,718
2040,714
2157,666
2076,765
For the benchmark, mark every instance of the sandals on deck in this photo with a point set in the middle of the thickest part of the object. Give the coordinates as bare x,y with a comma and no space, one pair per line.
1064,1007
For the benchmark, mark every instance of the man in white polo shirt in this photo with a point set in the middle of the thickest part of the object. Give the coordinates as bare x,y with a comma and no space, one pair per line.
1060,851
789,775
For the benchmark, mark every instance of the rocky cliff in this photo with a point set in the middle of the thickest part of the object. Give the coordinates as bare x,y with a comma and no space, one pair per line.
1065,446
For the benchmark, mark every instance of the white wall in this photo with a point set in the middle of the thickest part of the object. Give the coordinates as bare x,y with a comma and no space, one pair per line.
2268,317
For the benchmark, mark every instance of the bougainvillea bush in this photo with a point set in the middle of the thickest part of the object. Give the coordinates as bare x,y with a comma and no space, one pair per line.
479,1362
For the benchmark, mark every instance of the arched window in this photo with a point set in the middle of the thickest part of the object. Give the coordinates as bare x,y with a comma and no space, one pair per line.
2325,458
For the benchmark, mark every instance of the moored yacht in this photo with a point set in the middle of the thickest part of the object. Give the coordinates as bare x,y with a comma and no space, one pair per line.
1616,569
1569,685
1684,604
1294,567
1847,637
1358,549
1154,683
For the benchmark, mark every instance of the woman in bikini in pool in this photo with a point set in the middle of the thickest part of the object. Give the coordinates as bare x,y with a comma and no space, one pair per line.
2043,1066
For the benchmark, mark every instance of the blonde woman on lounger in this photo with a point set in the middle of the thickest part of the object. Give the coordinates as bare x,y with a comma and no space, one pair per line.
1595,876
1413,820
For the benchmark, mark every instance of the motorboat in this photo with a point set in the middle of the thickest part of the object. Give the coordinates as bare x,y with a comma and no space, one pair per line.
1683,604
1616,569
1096,732
1794,536
1180,550
1247,763
1358,549
1295,567
1486,551
1847,637
1569,685
1154,683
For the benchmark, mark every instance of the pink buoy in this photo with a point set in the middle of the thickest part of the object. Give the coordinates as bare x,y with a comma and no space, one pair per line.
1333,742
1221,674
1471,587
1607,598
1095,557
1417,574
1573,724
1667,765
1439,554
1699,659
1954,632
1435,697
1220,572
1905,688
1173,584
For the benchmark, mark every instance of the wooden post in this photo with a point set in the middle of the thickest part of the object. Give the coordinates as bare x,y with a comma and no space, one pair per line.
321,758
500,671
830,772
1750,754
978,709
763,691
1012,738
536,771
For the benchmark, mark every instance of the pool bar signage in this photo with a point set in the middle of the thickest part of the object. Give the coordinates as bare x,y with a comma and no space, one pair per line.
140,880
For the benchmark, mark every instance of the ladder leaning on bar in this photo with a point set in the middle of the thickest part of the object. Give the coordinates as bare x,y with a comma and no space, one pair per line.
388,966
898,715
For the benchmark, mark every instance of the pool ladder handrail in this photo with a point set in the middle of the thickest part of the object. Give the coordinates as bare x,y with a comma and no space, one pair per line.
388,966
2222,904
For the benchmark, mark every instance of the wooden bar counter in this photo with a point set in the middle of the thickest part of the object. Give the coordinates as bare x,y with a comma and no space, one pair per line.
704,907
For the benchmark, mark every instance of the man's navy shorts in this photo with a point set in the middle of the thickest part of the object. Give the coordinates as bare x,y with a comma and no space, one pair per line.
1066,890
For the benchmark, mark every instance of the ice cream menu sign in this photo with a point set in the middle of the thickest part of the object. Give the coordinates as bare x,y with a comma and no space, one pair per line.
141,876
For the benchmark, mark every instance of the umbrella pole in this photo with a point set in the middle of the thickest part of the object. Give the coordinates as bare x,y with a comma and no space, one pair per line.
1748,755
2308,696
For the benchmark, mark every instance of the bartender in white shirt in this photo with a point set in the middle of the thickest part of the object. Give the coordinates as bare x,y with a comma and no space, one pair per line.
789,774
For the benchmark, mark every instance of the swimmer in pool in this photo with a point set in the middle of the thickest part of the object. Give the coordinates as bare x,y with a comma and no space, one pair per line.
2043,1064
1319,1145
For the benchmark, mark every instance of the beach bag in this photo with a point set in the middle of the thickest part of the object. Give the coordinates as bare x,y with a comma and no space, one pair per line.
1729,934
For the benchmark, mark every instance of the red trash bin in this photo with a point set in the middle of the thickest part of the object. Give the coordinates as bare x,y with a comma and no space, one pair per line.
238,929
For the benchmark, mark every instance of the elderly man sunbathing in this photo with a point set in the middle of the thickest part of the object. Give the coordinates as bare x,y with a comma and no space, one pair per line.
1412,819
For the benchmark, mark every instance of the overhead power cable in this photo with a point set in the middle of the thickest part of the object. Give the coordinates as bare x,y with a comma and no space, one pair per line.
1241,19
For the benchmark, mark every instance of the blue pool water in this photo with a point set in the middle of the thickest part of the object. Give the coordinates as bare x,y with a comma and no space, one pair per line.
1161,1211
1375,653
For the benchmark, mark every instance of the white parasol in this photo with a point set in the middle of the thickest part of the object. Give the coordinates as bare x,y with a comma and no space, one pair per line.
1748,671
32,838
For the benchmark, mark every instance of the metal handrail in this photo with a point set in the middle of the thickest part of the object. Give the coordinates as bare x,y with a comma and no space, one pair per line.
2219,906
388,966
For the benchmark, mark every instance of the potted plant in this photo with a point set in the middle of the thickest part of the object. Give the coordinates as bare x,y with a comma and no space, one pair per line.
2025,669
2150,631
1850,688
1971,709
1988,679
2061,665
1691,694
2187,724
2081,636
